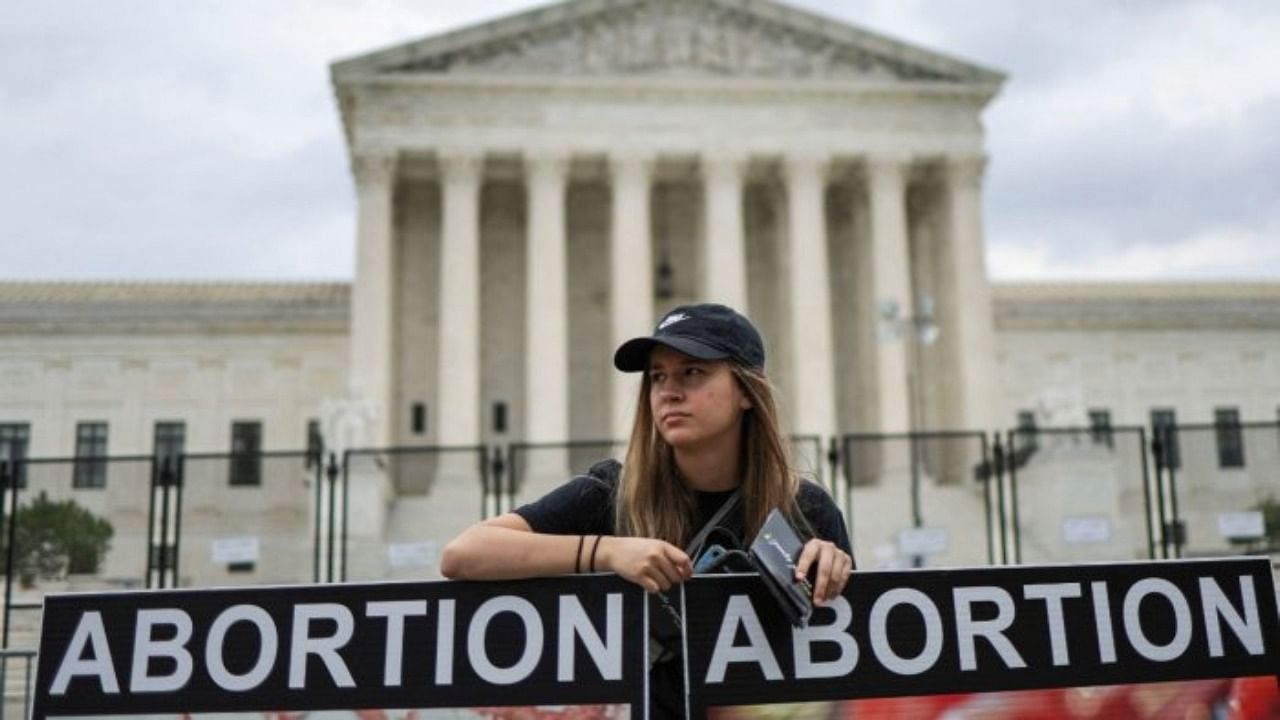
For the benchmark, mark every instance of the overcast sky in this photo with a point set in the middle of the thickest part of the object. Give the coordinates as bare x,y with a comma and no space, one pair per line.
165,139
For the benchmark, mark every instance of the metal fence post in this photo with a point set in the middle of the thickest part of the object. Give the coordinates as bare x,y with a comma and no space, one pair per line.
1157,454
346,506
5,482
513,476
315,540
1179,535
331,473
833,461
1014,520
151,522
178,471
986,497
162,552
1146,493
15,475
998,464
846,456
498,467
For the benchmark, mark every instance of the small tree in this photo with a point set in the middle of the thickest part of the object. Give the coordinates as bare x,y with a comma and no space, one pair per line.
55,538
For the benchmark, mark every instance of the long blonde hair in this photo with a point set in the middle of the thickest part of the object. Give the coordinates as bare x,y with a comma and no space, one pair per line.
653,501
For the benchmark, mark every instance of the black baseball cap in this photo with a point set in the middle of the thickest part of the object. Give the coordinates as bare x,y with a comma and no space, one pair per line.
706,331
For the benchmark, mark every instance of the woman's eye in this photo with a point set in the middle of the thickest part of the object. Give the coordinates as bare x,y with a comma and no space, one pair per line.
655,377
693,371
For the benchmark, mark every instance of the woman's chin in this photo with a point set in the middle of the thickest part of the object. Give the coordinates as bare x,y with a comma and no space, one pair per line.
680,438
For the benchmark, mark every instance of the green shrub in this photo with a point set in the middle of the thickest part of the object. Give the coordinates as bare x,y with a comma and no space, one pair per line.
55,538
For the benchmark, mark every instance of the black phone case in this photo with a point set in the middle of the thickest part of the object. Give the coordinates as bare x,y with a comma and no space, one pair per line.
774,552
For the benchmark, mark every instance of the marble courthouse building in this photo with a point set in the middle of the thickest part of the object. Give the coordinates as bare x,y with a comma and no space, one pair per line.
534,190
765,156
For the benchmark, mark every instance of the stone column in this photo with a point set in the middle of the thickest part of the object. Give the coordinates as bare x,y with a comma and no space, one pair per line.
631,274
371,374
458,419
891,291
726,259
968,303
546,302
812,365
372,359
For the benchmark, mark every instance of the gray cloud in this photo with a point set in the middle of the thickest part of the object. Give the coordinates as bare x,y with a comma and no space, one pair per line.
152,139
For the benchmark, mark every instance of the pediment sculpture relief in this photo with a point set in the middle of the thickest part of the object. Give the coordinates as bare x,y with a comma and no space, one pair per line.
672,37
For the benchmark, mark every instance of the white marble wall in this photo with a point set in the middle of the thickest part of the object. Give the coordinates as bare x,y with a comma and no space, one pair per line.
206,381
1062,373
132,381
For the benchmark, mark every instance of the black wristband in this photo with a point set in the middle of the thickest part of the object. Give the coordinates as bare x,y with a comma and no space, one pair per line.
594,547
577,558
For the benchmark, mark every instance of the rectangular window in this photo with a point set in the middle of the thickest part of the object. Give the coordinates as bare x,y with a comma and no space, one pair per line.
419,418
315,444
246,453
1226,425
1100,427
167,447
91,452
1164,423
14,440
499,417
1027,436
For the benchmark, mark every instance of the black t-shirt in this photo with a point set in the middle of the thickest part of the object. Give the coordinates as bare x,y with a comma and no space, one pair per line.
585,504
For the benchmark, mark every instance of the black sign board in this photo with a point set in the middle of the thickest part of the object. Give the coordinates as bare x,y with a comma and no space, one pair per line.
584,640
979,630
385,645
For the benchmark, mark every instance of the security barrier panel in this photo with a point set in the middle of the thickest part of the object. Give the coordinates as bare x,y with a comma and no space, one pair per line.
584,640
391,526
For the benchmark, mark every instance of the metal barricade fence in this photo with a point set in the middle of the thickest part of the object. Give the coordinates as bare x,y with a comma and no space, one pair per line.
920,499
933,498
17,683
1080,494
1221,486
534,469
399,506
70,525
243,519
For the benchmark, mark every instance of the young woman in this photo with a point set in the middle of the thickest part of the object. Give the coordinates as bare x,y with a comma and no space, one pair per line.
705,450
706,426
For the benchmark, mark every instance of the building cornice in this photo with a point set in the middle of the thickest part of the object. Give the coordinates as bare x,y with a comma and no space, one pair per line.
1136,306
674,85
215,308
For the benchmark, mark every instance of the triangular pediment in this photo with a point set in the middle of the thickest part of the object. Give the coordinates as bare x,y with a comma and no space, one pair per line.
638,38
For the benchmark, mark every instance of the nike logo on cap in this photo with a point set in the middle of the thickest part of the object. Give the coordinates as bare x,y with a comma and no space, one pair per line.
672,320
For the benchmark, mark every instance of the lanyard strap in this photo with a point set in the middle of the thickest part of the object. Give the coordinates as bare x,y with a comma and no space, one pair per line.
729,505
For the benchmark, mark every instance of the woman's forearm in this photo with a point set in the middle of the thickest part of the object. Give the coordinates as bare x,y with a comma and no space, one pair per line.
488,551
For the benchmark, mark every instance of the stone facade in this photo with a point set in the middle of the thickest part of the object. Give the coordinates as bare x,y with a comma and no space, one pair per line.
133,354
741,145
1131,348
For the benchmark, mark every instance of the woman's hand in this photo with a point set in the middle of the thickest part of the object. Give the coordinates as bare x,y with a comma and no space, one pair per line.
652,564
833,566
